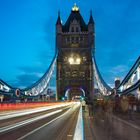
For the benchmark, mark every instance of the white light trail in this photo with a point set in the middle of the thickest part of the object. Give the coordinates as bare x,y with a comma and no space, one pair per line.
13,114
6,128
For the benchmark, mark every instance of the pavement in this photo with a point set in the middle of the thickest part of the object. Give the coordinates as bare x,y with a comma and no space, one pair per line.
109,126
88,129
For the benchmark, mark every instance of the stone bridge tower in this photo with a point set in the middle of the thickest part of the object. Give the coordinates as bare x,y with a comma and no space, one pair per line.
75,46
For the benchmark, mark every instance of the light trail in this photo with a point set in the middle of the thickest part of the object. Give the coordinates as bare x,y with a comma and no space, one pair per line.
30,111
6,128
37,129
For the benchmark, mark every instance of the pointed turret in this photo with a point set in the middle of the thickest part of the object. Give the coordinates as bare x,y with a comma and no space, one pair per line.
91,21
91,31
58,22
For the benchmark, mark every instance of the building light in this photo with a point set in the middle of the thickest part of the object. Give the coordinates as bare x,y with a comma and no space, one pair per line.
75,8
74,61
78,60
71,60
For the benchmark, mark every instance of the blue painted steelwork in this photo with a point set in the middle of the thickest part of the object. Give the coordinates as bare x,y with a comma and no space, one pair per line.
130,89
41,85
104,89
128,76
4,83
127,85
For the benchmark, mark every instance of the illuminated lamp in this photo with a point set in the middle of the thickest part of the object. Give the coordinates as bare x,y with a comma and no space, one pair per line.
78,60
71,60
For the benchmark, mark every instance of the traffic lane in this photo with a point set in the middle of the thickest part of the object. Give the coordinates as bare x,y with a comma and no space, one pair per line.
62,128
23,130
17,113
10,121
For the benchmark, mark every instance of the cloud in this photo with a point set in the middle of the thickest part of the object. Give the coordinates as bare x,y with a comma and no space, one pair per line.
26,79
111,85
27,76
30,69
119,69
31,74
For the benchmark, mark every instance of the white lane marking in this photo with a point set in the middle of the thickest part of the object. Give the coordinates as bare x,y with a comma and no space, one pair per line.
47,123
26,112
79,131
6,128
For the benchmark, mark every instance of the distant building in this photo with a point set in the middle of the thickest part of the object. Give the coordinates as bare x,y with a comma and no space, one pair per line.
117,82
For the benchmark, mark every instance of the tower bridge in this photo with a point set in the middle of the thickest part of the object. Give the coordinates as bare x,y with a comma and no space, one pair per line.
77,74
75,65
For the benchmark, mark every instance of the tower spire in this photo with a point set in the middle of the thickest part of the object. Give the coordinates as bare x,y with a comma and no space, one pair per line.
58,22
91,21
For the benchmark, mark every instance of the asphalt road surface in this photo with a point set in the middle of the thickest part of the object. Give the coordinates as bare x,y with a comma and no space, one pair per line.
53,124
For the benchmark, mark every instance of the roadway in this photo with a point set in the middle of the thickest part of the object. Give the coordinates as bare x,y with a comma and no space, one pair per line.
56,123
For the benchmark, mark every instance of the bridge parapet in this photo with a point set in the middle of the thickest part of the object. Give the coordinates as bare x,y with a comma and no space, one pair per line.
132,80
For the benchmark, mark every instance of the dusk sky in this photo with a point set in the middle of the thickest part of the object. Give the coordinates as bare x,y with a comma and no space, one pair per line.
27,36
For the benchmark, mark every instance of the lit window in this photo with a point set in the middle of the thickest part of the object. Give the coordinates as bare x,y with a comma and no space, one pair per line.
71,60
78,60
74,61
84,58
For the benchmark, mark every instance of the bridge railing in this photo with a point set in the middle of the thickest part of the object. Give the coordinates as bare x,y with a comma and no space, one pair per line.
131,81
104,89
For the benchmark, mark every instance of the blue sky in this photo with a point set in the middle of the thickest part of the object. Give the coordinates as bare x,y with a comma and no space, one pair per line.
27,36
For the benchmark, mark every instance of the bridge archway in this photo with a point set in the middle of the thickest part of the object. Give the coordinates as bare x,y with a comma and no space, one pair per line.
74,91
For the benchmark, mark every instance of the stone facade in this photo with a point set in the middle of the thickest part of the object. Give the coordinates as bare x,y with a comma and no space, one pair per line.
75,45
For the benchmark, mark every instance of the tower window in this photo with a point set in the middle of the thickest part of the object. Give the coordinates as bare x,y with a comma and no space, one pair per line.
72,29
77,29
81,38
68,39
77,39
72,39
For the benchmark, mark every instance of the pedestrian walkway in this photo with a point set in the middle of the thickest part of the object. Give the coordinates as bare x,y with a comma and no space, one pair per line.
88,135
133,118
109,126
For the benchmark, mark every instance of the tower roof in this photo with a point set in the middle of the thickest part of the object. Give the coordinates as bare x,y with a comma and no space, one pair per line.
75,15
